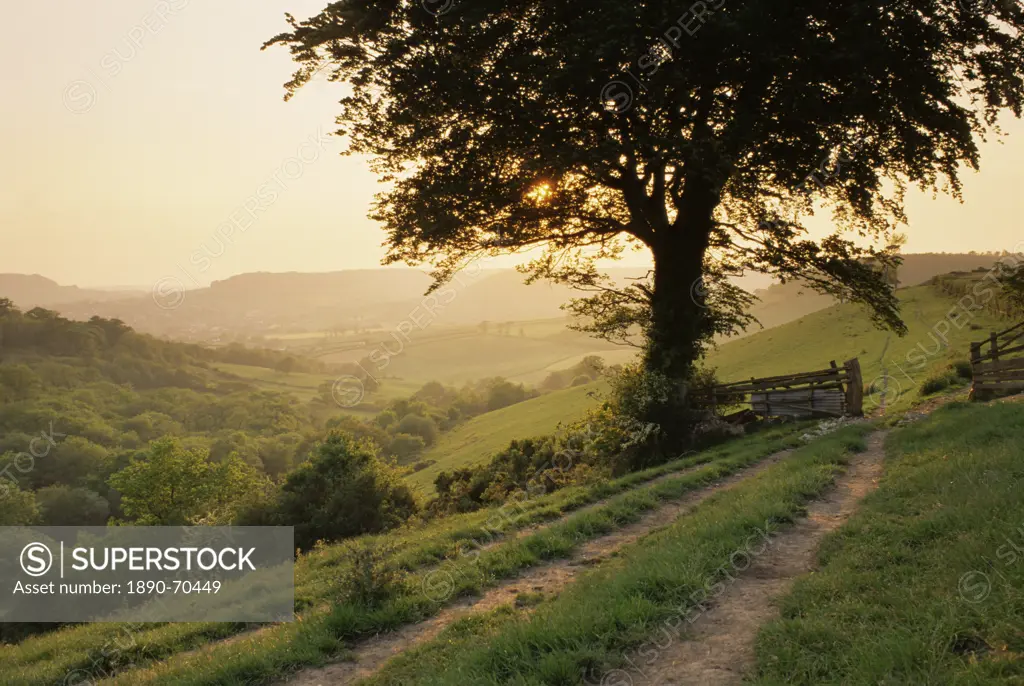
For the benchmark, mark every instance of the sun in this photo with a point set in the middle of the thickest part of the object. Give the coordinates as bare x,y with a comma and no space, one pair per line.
541,193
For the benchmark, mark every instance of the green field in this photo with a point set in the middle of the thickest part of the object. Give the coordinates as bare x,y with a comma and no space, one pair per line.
482,436
300,384
304,385
523,351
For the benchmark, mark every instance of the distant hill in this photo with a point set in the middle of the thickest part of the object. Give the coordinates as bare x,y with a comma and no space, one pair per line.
264,304
33,290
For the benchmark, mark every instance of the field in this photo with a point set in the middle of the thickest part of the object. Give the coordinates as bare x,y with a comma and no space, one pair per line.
300,384
925,584
522,351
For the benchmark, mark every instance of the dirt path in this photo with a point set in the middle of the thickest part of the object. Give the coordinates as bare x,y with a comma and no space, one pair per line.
719,645
369,656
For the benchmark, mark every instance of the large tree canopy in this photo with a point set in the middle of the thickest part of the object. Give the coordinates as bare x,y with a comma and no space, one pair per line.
704,134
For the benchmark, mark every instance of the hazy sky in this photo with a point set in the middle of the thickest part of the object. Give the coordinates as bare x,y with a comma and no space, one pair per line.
133,129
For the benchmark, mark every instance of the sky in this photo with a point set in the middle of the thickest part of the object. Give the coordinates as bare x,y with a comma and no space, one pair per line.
138,128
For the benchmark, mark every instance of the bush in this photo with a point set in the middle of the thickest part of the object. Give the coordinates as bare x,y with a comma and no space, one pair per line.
937,382
343,490
963,369
406,446
424,427
371,578
955,374
422,464
504,393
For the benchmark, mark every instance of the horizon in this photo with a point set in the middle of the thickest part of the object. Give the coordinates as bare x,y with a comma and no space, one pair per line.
613,267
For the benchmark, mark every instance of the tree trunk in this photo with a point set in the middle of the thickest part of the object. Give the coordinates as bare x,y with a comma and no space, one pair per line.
679,319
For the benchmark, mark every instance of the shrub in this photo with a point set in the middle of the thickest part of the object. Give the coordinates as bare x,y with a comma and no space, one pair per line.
504,393
343,490
406,446
422,464
963,369
386,419
424,427
937,382
371,578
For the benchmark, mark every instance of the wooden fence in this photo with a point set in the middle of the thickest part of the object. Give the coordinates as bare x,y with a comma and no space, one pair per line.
1001,367
834,392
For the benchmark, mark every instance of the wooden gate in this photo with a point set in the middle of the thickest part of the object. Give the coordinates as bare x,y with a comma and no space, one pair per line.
1000,368
831,392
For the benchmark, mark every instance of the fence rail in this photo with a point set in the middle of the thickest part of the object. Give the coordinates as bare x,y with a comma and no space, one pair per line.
1000,367
834,391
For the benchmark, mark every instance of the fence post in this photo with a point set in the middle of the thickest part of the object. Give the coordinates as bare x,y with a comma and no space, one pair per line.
854,388
994,339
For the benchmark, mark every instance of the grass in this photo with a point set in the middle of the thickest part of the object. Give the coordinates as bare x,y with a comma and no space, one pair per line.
925,585
268,657
624,607
50,658
475,441
843,332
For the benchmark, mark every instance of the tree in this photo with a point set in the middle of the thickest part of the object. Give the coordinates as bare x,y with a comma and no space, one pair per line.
1011,279
286,365
172,486
503,393
505,126
7,306
66,506
75,461
343,490
17,507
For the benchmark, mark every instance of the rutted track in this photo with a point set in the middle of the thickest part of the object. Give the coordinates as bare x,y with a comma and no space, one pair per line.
370,655
719,647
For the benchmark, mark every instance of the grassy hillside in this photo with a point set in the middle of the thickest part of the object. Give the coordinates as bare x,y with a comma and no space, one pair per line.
299,384
479,438
838,333
305,385
843,332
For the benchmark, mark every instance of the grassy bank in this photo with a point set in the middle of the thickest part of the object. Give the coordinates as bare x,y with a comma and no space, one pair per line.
926,584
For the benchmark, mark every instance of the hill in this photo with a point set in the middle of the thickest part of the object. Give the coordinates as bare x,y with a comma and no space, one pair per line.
840,332
32,290
939,333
